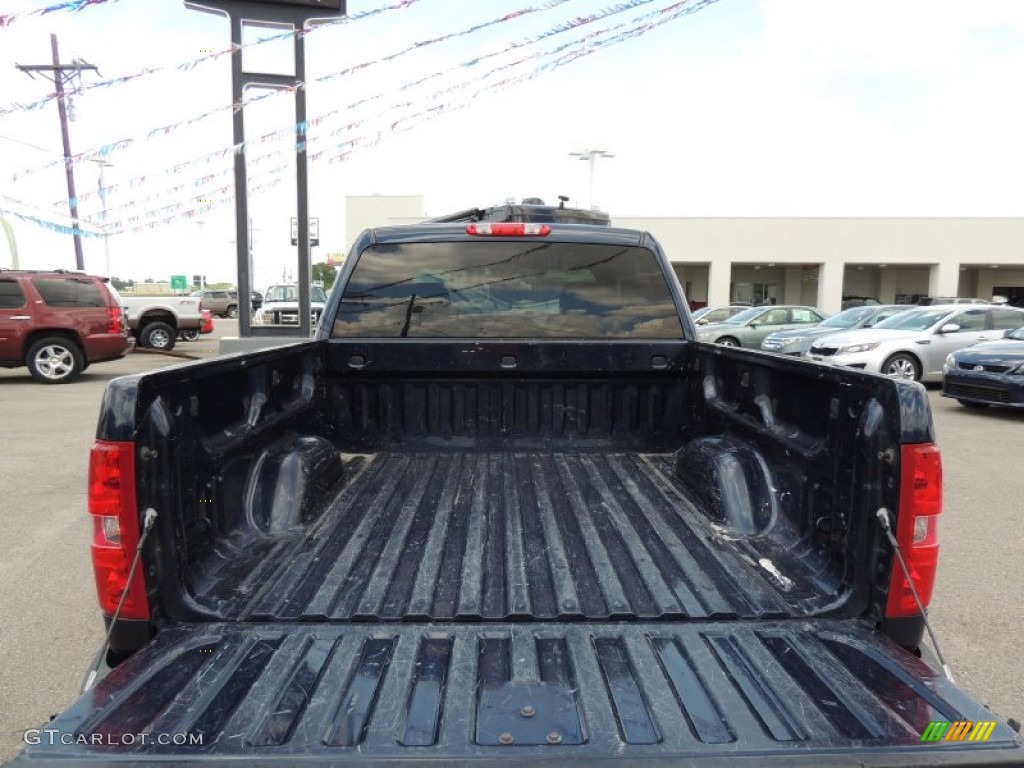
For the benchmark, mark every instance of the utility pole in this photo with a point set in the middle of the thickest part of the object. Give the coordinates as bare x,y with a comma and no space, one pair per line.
61,73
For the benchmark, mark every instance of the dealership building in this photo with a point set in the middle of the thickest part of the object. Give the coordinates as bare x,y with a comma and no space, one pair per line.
814,261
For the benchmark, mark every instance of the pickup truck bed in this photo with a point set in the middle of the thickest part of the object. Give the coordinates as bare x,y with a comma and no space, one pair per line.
336,494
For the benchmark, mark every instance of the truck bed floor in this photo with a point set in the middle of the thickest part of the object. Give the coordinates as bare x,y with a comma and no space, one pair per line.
553,536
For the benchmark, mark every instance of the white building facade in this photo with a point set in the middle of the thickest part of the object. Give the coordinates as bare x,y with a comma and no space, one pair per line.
813,261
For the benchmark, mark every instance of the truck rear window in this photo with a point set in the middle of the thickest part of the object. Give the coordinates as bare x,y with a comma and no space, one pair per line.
507,289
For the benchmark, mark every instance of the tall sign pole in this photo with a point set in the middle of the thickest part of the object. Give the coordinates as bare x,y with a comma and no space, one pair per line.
271,13
58,72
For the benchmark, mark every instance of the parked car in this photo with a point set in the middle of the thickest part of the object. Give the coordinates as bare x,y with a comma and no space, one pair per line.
223,303
930,301
256,299
914,344
59,323
750,327
207,327
859,301
990,373
798,341
708,315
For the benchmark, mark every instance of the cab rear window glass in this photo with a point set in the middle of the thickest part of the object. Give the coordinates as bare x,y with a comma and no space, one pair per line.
11,295
507,289
69,293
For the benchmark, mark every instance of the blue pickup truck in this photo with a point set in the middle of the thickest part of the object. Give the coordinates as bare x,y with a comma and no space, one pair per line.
505,510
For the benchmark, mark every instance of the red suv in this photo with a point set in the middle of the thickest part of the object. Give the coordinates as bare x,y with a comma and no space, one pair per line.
58,323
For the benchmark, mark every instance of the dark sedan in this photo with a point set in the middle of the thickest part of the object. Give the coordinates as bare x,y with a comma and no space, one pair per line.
990,373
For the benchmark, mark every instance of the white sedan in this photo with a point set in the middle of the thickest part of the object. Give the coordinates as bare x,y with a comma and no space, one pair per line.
914,344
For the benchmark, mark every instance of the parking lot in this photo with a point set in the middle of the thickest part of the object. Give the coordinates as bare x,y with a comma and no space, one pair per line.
50,627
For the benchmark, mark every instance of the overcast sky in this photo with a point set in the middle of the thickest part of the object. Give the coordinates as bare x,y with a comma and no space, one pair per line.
747,107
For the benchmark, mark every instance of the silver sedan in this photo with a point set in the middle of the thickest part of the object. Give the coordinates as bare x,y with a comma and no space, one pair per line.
914,344
750,327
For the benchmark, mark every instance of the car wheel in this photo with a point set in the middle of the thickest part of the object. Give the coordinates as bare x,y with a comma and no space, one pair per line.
728,341
969,404
190,335
232,311
55,360
158,335
902,366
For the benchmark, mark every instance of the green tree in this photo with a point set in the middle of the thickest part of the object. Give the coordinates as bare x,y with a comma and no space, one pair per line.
325,273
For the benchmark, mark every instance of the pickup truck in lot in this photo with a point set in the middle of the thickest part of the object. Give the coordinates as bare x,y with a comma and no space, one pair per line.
280,306
156,321
505,510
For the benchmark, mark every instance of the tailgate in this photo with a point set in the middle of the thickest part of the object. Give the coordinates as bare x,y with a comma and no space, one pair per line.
766,693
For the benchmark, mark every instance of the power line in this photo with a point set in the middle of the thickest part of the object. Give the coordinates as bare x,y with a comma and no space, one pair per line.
27,144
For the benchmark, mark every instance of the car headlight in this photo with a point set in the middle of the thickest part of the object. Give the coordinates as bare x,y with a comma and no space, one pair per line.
1019,370
854,348
791,340
950,361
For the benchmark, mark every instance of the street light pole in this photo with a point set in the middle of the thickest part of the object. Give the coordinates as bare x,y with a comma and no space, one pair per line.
103,201
591,156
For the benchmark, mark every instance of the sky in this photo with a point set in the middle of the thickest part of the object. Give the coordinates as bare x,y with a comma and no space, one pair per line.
740,108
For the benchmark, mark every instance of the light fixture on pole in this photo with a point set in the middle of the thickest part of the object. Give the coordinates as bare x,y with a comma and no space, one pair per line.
102,190
591,155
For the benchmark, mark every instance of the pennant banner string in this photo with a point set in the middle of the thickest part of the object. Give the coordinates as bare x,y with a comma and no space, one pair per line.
6,19
396,118
19,212
565,54
200,181
109,149
282,133
188,66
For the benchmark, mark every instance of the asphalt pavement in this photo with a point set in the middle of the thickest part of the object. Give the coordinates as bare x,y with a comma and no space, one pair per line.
50,627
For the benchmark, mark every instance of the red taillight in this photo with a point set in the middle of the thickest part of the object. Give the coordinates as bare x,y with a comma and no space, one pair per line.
916,528
507,229
114,320
115,528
